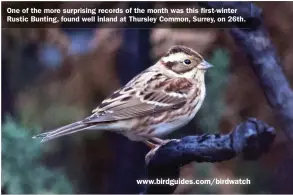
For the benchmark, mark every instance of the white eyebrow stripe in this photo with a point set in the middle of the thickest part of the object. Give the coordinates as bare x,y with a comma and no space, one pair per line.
174,57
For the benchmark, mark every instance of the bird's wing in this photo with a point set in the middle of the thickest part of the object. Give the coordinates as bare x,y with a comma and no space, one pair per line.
158,95
131,101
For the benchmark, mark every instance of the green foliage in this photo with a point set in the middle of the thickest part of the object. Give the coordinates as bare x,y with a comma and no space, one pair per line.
216,79
22,171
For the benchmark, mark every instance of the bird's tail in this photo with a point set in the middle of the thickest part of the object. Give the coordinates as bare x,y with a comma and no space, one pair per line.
65,130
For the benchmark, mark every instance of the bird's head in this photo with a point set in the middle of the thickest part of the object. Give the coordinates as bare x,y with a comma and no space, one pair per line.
182,61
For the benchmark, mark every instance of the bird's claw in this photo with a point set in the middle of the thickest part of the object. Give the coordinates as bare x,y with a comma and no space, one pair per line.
152,152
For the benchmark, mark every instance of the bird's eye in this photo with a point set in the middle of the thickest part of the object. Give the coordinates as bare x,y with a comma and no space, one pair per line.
187,61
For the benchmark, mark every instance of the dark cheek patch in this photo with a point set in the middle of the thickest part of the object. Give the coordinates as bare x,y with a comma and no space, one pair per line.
169,65
178,67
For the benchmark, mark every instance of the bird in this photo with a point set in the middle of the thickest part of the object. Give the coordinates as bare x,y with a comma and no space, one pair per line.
163,98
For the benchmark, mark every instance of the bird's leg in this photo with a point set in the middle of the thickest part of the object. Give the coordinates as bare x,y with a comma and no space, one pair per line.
155,147
161,141
158,140
150,144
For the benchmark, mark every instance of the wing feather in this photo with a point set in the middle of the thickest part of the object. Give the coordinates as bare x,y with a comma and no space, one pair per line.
144,101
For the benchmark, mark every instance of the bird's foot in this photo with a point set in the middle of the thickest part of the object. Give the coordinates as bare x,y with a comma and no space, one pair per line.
150,144
155,147
161,141
150,154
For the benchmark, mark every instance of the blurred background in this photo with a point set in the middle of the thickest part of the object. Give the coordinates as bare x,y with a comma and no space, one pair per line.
56,75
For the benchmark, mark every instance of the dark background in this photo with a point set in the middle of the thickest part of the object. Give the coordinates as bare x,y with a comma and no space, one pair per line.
56,75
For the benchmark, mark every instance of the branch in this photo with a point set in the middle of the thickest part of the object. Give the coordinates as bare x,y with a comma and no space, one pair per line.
249,139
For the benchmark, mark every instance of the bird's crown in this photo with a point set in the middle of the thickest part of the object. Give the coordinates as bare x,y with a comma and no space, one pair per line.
184,50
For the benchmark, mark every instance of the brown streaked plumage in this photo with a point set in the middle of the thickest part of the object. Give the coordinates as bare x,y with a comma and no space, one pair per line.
159,100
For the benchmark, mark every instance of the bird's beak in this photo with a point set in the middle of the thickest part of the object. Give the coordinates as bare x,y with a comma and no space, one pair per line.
204,65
